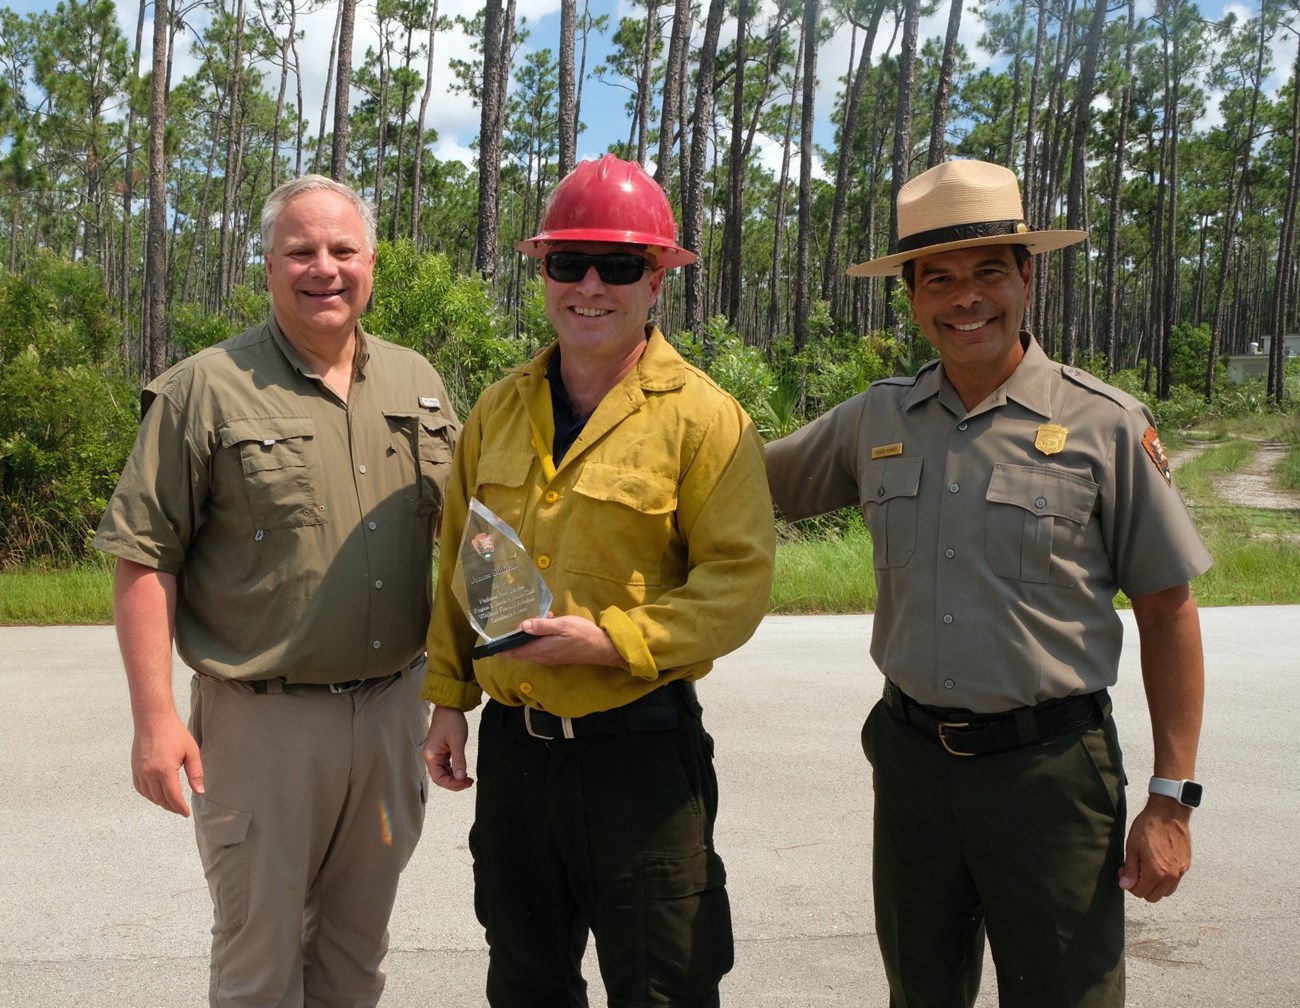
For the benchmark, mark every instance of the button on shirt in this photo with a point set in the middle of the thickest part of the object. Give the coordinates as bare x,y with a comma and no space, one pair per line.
996,562
300,526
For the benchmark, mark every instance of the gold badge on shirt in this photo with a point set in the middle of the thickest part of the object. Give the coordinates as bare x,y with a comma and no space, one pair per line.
1050,438
887,451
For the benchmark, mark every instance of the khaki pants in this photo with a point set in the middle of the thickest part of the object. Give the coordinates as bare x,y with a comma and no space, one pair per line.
1023,845
314,803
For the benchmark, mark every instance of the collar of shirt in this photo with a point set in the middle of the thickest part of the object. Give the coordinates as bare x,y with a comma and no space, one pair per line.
1029,385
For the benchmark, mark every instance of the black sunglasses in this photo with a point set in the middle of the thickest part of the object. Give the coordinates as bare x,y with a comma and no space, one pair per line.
617,268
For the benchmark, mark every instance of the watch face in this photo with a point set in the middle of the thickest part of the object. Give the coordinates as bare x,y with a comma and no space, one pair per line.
1191,794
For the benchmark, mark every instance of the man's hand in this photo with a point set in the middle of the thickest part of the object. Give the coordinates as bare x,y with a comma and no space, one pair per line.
157,753
1159,850
444,749
567,640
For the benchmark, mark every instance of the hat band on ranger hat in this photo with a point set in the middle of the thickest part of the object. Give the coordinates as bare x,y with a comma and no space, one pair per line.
961,232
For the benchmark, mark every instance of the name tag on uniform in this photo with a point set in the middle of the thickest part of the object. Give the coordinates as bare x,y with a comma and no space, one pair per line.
1050,438
887,450
429,402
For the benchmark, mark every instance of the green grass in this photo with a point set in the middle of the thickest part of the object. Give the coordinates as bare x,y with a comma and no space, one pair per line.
55,598
825,566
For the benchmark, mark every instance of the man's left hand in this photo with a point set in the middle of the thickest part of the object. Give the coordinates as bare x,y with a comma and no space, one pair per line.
1159,850
567,640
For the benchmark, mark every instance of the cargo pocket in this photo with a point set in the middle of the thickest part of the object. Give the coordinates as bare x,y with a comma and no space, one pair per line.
688,937
1036,517
222,834
277,458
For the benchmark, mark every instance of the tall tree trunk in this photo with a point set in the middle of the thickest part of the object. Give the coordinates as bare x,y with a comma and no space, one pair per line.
672,102
943,89
1110,284
701,134
901,161
831,278
782,187
1283,285
803,235
234,134
1075,204
645,88
495,68
154,338
417,180
568,154
1017,85
733,226
343,91
318,158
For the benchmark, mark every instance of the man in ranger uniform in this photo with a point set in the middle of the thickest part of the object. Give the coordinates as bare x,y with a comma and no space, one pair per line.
1008,499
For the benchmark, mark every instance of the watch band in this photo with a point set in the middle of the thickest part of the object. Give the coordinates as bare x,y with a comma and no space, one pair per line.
1185,792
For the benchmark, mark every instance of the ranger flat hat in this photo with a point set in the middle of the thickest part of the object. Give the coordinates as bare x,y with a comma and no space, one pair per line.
957,205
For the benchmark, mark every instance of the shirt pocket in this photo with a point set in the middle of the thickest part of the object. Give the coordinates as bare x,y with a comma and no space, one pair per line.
426,442
628,520
888,490
277,456
1037,517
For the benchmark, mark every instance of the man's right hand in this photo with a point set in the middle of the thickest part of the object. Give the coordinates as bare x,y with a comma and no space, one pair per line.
444,749
157,754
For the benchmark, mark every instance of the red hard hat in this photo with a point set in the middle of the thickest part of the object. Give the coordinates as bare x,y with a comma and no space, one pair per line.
610,200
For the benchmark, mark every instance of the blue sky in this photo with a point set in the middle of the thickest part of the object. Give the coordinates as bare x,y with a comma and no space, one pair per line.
456,119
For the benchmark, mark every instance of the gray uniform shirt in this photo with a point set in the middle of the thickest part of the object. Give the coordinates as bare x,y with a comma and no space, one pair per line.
1000,535
300,526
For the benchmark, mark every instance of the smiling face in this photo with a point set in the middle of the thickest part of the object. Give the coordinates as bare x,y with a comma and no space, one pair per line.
597,321
320,270
970,304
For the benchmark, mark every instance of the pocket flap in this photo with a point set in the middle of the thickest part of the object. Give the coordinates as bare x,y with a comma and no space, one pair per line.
220,826
503,468
639,489
674,876
885,479
1048,492
267,430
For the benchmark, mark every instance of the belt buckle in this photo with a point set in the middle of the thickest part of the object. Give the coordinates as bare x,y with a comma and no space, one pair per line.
351,686
566,726
528,724
943,739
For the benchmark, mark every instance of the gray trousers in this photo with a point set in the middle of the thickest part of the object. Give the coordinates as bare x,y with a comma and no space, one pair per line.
314,803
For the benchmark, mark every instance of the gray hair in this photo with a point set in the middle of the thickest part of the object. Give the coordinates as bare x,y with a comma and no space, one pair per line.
287,191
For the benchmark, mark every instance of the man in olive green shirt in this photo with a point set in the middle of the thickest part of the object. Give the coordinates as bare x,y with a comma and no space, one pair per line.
276,519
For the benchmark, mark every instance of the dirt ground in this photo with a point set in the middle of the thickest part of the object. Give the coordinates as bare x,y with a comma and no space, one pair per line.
1254,485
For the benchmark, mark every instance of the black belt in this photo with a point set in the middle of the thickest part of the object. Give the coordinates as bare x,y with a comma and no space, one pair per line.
964,733
658,710
279,685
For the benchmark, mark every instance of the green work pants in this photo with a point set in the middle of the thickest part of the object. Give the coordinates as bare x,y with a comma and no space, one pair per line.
1024,845
611,834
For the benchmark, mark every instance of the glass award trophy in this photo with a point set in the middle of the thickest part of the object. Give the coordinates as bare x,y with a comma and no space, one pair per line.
496,582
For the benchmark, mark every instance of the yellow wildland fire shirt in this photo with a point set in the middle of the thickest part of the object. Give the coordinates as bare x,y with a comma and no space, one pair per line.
657,525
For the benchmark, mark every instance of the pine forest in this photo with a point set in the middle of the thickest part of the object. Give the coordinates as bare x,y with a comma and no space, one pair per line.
130,189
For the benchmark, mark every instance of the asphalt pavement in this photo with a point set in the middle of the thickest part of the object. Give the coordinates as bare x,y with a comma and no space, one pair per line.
103,903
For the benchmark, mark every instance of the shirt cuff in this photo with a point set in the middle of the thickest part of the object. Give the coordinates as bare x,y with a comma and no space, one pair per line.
443,691
630,643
